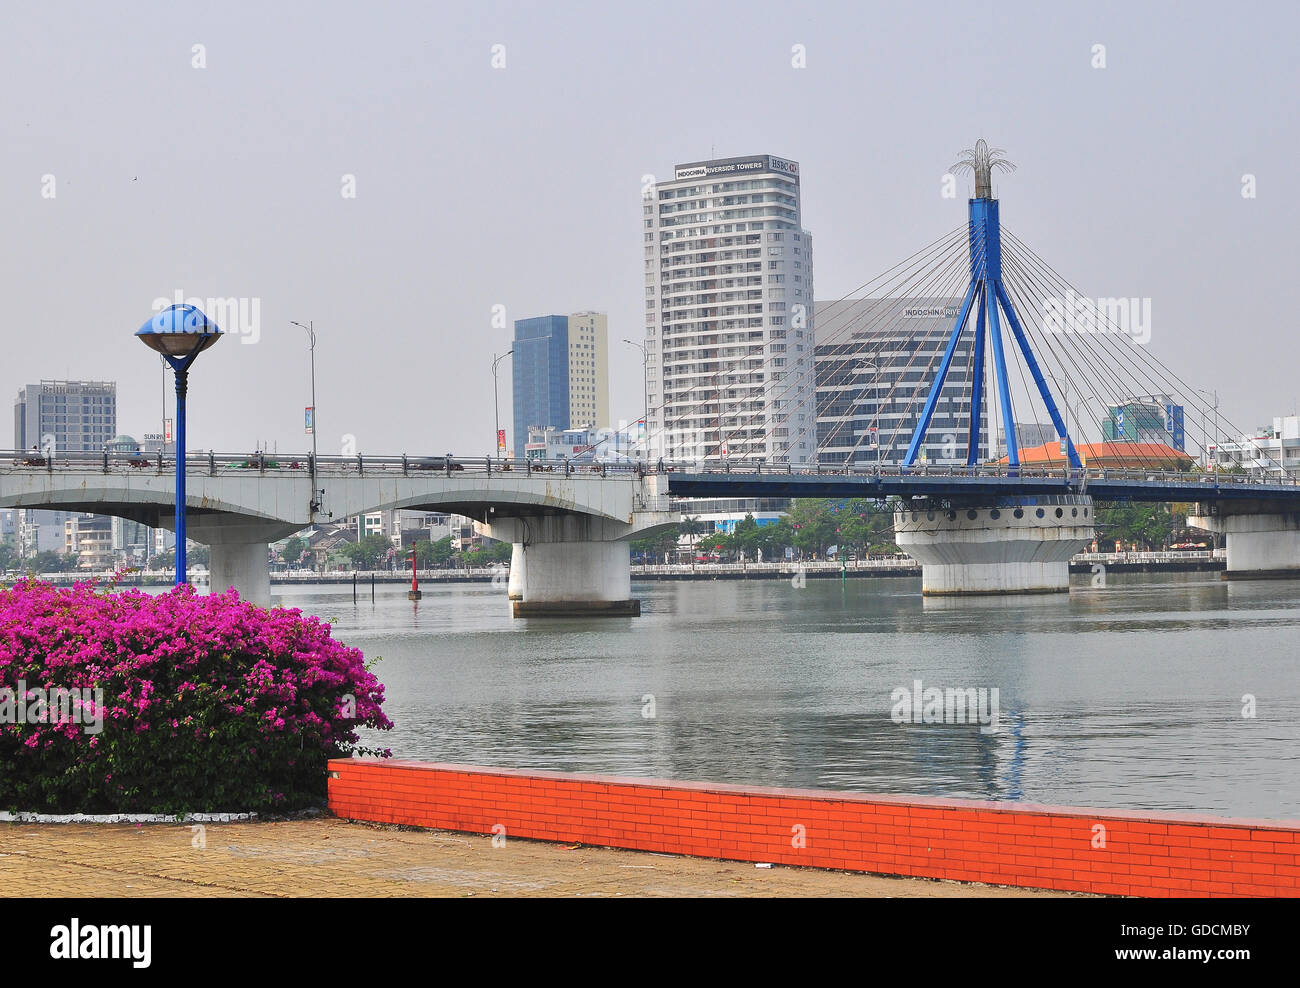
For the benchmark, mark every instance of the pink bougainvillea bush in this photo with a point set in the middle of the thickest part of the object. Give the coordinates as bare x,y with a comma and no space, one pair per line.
130,702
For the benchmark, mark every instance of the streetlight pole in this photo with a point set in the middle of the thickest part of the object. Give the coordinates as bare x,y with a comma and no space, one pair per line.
180,333
315,504
496,403
645,386
1080,401
1215,395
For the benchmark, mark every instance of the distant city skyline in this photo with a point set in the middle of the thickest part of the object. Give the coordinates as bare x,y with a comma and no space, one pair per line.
413,184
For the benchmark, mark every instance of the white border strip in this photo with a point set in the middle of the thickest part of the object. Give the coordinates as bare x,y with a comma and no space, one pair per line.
7,817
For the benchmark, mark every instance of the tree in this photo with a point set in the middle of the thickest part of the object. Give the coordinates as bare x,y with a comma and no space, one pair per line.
813,525
441,551
1149,526
369,553
49,561
432,554
195,555
865,525
496,552
656,546
773,539
8,555
293,549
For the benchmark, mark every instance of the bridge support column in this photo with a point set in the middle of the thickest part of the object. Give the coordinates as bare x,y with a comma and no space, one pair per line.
1263,542
567,566
516,585
1010,546
242,565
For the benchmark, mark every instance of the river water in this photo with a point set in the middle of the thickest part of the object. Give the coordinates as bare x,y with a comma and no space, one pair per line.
1129,695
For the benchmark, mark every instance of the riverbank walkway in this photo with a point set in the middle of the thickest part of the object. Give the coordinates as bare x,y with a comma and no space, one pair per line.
332,858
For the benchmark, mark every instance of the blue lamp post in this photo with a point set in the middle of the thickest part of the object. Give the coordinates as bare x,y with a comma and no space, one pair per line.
180,333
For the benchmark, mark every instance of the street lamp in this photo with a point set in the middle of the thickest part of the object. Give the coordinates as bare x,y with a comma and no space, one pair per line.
645,386
180,333
496,403
311,345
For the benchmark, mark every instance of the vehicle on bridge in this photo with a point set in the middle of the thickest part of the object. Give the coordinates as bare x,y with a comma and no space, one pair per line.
434,463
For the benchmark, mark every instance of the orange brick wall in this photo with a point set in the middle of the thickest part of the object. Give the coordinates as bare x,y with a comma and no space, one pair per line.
1147,854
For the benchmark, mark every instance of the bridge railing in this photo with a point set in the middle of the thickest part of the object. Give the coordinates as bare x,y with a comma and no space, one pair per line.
228,464
987,470
241,464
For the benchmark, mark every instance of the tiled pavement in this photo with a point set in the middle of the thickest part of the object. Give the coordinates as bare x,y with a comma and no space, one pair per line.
329,857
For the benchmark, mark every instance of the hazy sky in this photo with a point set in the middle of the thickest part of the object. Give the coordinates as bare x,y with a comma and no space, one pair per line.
520,186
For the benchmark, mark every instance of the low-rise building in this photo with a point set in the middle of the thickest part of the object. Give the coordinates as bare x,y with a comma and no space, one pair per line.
1269,451
90,539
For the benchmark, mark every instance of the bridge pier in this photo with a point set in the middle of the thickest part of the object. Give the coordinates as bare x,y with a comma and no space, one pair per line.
1262,538
567,566
515,589
1005,546
242,565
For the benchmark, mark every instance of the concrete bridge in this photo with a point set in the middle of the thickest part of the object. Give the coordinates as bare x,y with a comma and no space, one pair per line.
975,530
570,527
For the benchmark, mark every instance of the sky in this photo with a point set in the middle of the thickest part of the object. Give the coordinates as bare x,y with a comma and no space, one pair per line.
497,151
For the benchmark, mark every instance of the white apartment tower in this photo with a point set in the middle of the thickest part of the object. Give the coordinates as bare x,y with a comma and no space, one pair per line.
729,313
588,370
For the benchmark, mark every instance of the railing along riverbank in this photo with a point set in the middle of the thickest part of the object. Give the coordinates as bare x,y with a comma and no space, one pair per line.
892,565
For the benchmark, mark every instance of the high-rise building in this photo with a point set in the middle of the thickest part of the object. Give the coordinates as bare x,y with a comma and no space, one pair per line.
588,370
561,377
729,320
540,371
874,372
66,416
57,417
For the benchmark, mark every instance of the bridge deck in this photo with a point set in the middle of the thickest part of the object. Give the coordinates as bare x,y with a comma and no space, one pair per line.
1102,485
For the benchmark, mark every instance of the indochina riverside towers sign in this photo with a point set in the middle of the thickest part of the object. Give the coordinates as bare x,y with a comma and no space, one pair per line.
737,166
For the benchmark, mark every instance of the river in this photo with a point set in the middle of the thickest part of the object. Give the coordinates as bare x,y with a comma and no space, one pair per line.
1129,695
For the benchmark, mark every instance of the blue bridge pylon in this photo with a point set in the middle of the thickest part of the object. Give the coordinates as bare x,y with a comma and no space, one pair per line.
986,296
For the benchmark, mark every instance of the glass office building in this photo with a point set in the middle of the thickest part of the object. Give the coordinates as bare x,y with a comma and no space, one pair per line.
541,377
874,373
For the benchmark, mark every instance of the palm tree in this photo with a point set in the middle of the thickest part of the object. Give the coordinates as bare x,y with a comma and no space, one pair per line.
691,528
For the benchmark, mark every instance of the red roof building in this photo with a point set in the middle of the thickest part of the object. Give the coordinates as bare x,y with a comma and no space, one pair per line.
1116,454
